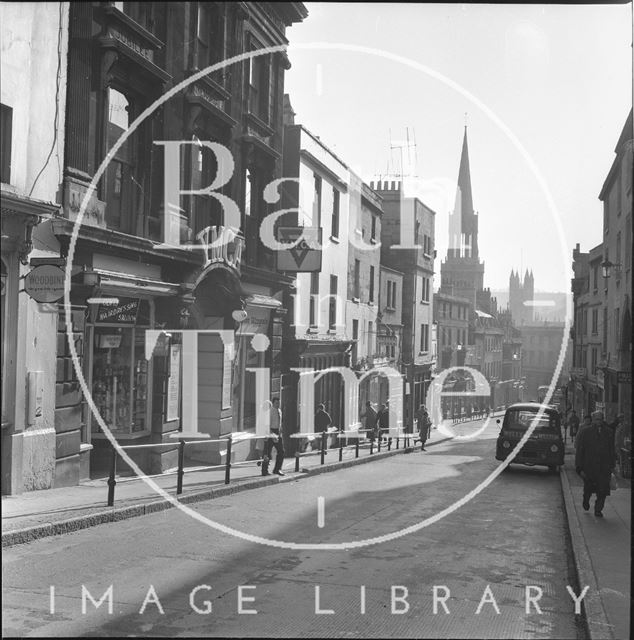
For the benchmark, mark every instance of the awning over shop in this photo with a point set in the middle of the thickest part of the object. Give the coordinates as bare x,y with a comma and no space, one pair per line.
258,308
117,283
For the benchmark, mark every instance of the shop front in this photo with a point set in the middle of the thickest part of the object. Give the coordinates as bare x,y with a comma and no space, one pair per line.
28,445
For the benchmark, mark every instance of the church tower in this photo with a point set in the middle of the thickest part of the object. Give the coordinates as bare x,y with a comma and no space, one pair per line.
462,272
521,296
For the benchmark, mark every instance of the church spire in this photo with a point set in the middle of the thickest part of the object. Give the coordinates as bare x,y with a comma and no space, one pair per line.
464,222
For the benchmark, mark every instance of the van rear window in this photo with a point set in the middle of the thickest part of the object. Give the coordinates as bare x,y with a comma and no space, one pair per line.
522,419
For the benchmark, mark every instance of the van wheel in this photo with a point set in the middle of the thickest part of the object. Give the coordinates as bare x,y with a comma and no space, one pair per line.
553,469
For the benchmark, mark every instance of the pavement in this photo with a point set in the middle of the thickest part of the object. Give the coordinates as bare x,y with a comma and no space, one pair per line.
601,547
37,514
602,554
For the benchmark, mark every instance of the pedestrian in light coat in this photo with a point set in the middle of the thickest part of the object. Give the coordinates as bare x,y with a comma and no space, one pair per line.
594,461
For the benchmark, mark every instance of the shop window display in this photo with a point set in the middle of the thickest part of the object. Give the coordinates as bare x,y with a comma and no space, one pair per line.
120,373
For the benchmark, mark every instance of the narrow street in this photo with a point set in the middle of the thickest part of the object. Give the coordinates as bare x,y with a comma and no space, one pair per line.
510,537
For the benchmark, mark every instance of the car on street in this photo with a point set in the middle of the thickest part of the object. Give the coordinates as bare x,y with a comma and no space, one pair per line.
544,447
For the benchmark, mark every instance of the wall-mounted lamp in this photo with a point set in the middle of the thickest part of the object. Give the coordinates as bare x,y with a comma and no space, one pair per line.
239,315
606,268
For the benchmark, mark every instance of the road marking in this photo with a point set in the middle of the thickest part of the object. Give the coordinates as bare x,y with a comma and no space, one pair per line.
321,512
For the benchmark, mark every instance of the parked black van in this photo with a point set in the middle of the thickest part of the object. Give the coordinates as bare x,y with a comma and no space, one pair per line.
545,446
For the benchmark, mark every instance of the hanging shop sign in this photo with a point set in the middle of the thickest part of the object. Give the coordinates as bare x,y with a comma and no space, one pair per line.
303,257
124,312
45,283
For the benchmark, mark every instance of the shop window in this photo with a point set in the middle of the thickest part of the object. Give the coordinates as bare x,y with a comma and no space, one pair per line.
314,293
357,285
373,230
335,213
244,385
371,298
202,210
120,374
332,310
123,188
210,36
258,75
142,13
317,202
6,129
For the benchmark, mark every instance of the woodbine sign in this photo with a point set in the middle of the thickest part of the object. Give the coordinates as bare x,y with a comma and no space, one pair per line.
45,283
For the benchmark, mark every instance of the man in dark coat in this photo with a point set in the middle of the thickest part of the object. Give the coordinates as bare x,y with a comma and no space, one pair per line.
594,461
424,425
370,420
383,420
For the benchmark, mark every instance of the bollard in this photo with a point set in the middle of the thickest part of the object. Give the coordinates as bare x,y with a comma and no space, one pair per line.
181,470
356,448
389,444
228,461
297,462
323,446
378,446
111,481
397,442
340,447
371,446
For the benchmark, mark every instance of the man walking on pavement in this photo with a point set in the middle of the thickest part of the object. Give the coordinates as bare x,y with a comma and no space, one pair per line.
275,425
423,423
370,420
573,425
594,461
383,421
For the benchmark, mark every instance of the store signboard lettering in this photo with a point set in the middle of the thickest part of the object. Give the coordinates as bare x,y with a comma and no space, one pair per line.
45,283
125,312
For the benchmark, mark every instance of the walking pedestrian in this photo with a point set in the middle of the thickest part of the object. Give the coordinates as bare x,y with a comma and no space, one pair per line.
275,441
594,461
423,424
585,423
573,425
369,418
322,419
383,421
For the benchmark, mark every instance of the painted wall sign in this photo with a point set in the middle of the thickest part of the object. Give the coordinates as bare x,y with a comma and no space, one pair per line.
45,283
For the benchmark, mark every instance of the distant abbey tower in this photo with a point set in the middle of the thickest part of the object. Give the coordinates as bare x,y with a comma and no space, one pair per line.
519,293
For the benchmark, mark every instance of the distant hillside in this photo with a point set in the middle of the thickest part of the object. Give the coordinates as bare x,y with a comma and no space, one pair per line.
555,312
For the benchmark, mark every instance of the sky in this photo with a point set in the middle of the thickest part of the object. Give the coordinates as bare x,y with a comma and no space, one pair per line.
556,78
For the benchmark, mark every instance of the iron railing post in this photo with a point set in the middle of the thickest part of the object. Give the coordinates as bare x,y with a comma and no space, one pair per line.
228,461
181,464
111,478
323,446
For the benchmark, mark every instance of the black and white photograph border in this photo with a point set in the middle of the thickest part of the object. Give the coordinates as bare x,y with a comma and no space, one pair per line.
255,381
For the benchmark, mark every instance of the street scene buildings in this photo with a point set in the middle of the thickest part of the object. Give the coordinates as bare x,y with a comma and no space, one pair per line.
186,240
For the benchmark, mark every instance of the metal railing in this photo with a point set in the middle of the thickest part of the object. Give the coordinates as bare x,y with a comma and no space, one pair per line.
230,441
